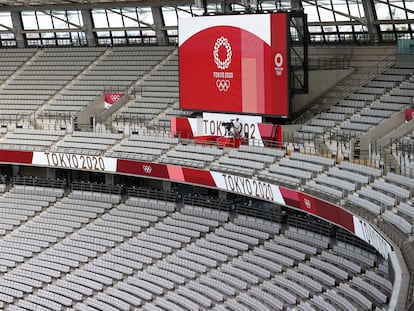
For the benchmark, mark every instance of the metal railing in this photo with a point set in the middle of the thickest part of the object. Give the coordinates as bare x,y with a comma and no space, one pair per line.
169,196
356,83
39,182
96,187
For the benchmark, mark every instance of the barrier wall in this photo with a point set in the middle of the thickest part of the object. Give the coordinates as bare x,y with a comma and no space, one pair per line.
235,184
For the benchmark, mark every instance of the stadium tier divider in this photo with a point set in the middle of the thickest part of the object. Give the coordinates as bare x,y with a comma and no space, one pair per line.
3,183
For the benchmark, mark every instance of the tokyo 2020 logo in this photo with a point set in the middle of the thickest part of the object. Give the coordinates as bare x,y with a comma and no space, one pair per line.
222,77
222,64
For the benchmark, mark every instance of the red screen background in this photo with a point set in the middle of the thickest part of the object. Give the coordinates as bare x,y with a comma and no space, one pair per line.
226,68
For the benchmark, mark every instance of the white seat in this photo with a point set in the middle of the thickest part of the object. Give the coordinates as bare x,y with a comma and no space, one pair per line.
129,293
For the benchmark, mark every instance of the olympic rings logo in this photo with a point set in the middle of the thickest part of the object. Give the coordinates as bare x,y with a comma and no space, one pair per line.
223,85
226,63
147,169
115,97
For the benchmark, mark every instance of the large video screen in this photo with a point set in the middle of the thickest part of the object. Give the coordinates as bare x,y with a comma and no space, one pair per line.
235,64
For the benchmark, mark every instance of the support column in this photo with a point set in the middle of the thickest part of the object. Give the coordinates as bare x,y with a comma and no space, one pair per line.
370,18
297,6
202,4
88,27
18,28
162,36
222,195
109,179
166,185
50,173
226,6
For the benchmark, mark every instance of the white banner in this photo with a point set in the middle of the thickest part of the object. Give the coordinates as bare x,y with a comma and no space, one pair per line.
74,161
257,24
249,187
213,124
366,232
196,126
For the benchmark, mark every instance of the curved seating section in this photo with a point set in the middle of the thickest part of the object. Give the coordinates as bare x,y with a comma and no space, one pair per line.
366,107
11,60
114,71
143,145
246,161
154,94
52,87
38,81
198,156
87,143
31,139
366,191
88,250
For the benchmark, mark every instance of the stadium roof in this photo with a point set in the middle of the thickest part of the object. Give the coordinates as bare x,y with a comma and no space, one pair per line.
33,4
362,21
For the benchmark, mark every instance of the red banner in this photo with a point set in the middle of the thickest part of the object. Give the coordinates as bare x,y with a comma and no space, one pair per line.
317,207
181,127
153,170
111,98
272,133
16,156
409,114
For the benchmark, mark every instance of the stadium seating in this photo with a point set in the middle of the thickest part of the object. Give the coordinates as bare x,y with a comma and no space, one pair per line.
90,250
86,143
155,93
114,70
39,80
31,139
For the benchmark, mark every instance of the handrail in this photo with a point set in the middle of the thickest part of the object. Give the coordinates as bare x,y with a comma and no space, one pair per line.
35,181
96,187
